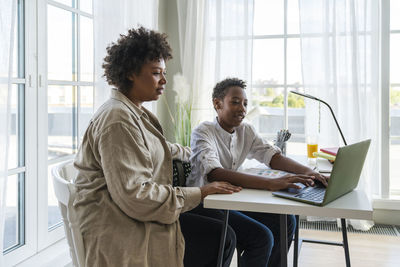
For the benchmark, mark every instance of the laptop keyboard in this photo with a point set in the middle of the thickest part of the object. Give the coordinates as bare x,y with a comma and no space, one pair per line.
315,194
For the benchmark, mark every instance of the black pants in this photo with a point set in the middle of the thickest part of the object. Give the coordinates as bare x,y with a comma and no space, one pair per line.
257,234
202,237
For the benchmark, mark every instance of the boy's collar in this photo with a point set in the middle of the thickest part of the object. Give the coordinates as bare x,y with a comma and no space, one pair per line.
222,130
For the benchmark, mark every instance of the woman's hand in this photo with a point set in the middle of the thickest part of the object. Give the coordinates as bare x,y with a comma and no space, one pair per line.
218,188
289,181
318,177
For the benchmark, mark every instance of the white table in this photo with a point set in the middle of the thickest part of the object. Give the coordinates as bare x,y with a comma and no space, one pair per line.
354,205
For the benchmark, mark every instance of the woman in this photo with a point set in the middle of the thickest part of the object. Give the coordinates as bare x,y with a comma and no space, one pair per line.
128,210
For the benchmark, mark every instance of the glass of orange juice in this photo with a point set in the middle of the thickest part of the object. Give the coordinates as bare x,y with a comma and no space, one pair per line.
312,146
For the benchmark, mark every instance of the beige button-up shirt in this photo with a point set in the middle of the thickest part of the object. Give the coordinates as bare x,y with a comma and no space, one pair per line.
126,205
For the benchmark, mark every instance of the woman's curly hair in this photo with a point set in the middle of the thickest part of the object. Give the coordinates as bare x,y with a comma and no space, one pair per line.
220,88
130,52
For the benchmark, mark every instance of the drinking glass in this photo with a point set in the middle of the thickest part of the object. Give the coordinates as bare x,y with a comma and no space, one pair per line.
312,146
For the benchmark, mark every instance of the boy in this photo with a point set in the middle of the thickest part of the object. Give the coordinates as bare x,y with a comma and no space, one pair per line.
218,150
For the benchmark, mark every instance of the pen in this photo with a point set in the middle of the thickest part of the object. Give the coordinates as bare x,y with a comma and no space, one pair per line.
325,171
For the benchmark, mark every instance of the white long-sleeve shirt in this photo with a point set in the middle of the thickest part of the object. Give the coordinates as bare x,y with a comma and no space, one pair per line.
213,147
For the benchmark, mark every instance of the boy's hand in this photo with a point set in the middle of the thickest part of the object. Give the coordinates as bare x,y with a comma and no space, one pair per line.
289,181
319,178
218,188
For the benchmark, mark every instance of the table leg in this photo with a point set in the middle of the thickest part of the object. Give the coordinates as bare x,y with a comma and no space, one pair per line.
223,237
296,243
345,242
284,239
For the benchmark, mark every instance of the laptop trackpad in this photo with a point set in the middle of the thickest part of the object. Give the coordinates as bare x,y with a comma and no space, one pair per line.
303,191
295,191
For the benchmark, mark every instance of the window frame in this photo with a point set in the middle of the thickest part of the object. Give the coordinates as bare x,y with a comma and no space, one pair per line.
387,191
385,99
38,236
285,85
19,82
56,232
29,247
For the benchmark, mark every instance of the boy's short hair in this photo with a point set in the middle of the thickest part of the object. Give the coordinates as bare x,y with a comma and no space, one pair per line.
128,55
220,88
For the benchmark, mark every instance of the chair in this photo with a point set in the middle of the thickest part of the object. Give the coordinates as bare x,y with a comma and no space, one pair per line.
63,174
181,170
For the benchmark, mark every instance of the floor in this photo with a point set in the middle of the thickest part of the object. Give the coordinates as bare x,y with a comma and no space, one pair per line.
366,250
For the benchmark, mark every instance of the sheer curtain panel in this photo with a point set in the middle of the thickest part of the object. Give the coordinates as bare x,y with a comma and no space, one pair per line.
340,64
7,25
112,18
216,42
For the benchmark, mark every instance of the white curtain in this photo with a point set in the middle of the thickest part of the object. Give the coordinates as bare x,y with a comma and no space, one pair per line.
215,42
7,26
112,18
340,64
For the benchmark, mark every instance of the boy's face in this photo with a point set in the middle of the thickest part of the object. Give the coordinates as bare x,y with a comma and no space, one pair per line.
232,109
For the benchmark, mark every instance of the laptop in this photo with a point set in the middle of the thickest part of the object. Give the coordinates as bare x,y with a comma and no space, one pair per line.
344,177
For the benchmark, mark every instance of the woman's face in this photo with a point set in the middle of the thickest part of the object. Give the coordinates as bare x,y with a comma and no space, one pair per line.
149,84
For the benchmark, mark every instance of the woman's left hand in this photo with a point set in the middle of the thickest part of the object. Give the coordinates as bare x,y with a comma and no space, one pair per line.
318,177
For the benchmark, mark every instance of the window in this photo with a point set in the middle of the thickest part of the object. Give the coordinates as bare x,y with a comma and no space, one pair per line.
14,235
394,112
68,65
277,71
52,103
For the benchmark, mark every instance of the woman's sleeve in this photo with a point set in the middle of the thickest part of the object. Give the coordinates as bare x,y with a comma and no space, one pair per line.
128,171
180,152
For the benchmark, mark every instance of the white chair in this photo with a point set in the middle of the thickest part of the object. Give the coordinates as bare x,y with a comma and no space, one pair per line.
63,175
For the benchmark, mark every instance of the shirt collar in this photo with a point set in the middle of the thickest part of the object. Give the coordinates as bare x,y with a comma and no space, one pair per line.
221,131
115,94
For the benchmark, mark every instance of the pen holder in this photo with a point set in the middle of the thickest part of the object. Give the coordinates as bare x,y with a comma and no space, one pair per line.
283,148
281,138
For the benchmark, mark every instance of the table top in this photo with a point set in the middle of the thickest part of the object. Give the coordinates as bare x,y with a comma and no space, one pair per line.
353,205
